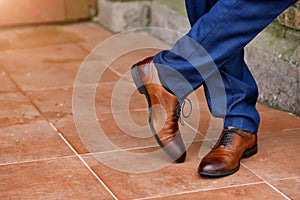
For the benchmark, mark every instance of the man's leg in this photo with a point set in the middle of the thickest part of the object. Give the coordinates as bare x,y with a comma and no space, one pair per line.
198,8
241,95
222,32
165,127
234,73
220,35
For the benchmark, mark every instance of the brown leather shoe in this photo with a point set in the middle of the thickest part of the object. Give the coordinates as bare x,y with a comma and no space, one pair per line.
164,109
224,158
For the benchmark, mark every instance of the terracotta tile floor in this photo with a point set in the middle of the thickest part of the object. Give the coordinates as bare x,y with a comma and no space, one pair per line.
66,139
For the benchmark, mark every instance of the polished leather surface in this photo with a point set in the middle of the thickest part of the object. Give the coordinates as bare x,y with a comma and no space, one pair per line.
163,111
224,158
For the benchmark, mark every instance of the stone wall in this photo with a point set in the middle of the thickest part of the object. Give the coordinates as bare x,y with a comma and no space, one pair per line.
120,16
291,17
274,59
273,56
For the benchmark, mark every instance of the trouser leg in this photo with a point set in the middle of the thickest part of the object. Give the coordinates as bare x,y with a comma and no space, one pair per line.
197,8
241,95
222,33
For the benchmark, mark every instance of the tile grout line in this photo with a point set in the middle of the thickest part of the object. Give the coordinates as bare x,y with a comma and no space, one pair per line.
129,81
274,188
24,94
282,179
291,129
205,138
266,182
194,129
83,161
135,148
117,73
203,190
37,160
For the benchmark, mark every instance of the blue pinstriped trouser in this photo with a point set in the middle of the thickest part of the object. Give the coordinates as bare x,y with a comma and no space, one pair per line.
223,28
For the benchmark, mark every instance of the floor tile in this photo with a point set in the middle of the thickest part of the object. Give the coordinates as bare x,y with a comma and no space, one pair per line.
57,102
109,130
262,108
92,72
121,130
33,141
63,178
66,126
122,53
54,66
34,37
123,63
54,75
290,187
16,109
248,192
277,157
91,34
54,104
35,162
172,179
15,60
135,130
118,96
275,120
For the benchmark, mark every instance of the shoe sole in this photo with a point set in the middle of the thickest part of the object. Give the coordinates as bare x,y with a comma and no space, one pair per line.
247,154
142,90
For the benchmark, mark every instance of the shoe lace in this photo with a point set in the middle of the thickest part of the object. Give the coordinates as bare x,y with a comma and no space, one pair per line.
180,110
227,137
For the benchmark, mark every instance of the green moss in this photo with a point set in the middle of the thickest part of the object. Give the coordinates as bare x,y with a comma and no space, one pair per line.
177,5
278,108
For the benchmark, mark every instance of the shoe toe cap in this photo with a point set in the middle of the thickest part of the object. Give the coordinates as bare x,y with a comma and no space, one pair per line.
181,159
212,165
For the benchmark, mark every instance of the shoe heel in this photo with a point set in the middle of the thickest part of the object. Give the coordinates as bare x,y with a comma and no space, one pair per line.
250,152
137,79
